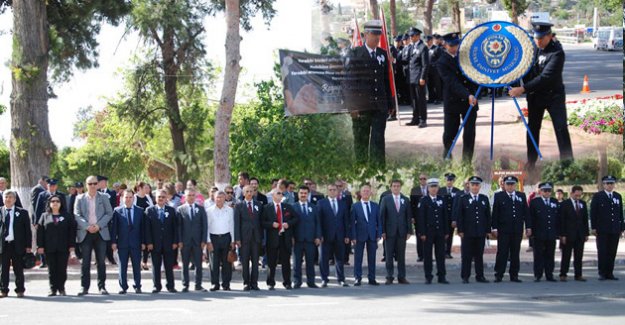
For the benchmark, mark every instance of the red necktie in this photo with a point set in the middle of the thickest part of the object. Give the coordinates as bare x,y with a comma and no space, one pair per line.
249,209
576,207
279,215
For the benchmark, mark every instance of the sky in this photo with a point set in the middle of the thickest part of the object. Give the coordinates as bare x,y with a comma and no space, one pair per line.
92,87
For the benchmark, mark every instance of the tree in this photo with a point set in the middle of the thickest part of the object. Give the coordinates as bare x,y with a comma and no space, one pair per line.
375,10
515,8
47,35
428,27
403,18
455,15
393,10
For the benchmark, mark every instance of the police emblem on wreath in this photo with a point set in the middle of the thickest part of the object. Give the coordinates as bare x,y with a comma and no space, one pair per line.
496,54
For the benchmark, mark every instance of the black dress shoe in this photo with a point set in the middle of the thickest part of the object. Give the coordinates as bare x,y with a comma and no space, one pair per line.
448,256
465,280
443,281
62,293
428,281
498,279
104,292
271,288
247,288
516,280
580,278
184,290
288,286
422,125
215,288
612,277
403,281
138,291
226,287
297,285
482,280
374,283
551,279
420,259
343,284
200,289
412,123
536,279
122,292
51,293
83,292
324,284
255,288
357,283
388,281
156,290
391,118
312,285
172,290
602,278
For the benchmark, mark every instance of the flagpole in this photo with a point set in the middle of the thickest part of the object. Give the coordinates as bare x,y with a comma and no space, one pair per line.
392,76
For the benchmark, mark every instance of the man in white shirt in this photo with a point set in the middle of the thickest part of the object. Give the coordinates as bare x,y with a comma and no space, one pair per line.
220,241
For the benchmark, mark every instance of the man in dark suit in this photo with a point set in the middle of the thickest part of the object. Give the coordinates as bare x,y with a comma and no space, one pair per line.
367,68
307,236
192,234
473,218
127,238
366,230
15,242
279,219
419,63
248,234
416,193
345,196
41,186
435,90
449,193
545,91
606,217
3,187
545,227
396,217
574,231
334,218
93,214
161,238
258,196
433,227
509,217
458,95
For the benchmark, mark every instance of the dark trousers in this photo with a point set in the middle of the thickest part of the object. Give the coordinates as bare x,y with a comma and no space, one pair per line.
9,257
558,118
219,260
304,250
347,252
191,253
395,246
134,254
607,245
145,255
508,246
332,249
57,270
93,242
359,252
282,252
419,103
166,258
249,253
435,91
577,247
436,241
419,248
452,124
109,252
450,239
368,129
544,255
472,250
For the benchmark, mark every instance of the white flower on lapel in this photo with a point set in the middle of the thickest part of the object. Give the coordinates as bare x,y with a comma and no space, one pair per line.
197,210
61,219
166,214
419,205
309,209
553,205
615,200
541,59
402,201
256,208
581,205
518,198
439,202
17,214
380,59
470,201
483,203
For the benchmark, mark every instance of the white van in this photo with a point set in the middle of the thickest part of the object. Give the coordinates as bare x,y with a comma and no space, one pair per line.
608,38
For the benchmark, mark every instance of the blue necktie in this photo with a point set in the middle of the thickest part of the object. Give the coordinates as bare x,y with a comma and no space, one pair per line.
161,215
368,211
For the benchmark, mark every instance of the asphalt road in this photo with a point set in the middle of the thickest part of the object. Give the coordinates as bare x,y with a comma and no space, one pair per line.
604,69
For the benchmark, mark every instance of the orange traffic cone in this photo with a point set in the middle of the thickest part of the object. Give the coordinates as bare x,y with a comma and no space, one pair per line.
585,86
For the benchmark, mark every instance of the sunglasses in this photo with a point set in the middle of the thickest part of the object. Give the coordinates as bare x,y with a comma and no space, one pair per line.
278,193
55,201
92,184
229,192
161,197
422,178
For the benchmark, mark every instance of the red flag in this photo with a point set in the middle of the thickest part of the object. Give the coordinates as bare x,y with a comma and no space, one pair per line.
384,44
356,39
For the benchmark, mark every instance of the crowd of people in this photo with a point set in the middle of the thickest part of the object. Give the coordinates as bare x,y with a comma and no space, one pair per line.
297,224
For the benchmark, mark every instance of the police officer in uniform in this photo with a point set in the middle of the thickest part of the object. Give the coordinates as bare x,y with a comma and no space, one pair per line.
404,62
457,97
606,219
367,66
545,91
434,80
449,193
419,63
472,213
509,215
544,213
397,74
433,230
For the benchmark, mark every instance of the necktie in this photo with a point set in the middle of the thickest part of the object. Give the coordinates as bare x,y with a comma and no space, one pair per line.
546,202
577,207
474,198
279,215
8,223
511,196
368,211
129,213
303,209
249,209
161,215
397,203
610,196
372,54
192,213
334,207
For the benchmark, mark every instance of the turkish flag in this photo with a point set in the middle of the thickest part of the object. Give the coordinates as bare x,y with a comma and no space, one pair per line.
384,44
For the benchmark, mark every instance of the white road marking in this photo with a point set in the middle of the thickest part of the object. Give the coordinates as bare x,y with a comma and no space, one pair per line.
150,310
305,304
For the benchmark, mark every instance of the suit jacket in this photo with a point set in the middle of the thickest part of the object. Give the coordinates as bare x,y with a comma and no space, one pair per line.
34,194
346,197
543,84
419,62
509,216
111,195
449,199
606,216
269,217
363,229
59,237
404,60
248,228
545,221
103,211
396,223
456,87
574,225
192,231
315,197
42,200
260,197
127,234
473,217
308,228
21,229
161,234
333,227
415,197
433,217
369,80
